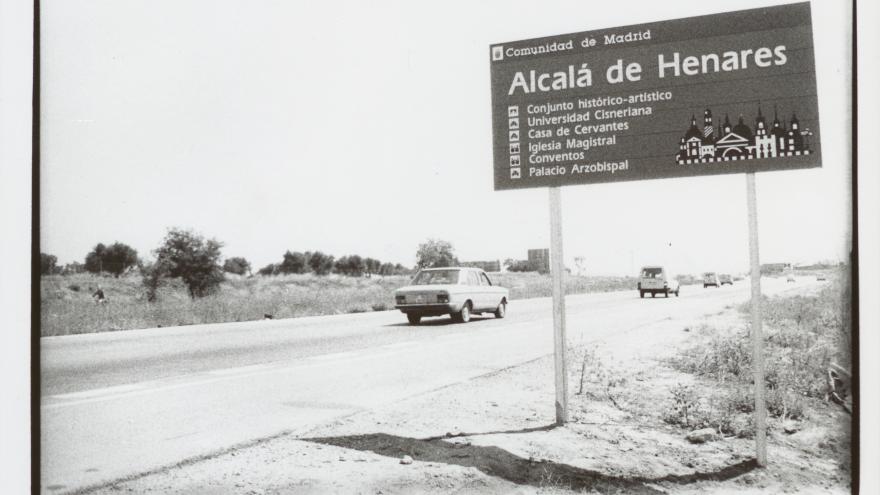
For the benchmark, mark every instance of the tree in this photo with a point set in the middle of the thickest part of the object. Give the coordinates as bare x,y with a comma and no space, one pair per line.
350,265
386,269
95,259
293,263
47,263
435,253
237,265
270,269
372,266
115,258
189,256
320,263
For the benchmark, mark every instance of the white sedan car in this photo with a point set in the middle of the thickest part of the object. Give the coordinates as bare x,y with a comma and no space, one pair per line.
458,292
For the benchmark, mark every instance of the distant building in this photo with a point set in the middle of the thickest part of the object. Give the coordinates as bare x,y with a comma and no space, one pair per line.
540,259
489,266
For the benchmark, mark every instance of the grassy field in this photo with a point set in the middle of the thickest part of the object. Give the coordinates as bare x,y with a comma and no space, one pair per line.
68,308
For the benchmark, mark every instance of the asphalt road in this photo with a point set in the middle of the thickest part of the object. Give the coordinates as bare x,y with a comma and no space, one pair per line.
119,404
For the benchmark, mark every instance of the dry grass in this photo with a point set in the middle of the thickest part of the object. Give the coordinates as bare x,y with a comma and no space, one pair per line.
803,335
68,308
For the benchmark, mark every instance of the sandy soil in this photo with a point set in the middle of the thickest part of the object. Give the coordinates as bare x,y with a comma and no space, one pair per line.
495,434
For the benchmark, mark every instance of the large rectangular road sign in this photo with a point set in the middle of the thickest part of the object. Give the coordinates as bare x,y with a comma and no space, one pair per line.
716,94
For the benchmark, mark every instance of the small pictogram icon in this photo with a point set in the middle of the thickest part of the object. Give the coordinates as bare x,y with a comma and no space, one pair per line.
514,148
513,136
514,173
513,123
513,111
514,160
497,53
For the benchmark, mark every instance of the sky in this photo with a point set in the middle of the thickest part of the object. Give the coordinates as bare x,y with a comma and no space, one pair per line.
356,128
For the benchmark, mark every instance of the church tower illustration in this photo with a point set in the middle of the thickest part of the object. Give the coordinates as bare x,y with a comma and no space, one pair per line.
738,142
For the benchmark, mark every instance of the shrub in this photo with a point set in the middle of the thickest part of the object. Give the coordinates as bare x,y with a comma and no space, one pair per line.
237,265
379,307
47,264
190,257
115,258
270,269
73,287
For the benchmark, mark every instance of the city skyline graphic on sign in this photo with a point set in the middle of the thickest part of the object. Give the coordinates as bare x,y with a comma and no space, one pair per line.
738,142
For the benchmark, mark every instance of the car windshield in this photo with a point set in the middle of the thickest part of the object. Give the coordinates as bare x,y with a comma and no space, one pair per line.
436,277
651,272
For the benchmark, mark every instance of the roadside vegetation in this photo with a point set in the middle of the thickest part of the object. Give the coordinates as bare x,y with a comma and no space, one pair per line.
69,308
807,342
189,282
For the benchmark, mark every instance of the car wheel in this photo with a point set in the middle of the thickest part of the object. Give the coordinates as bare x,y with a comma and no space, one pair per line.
676,292
704,286
413,318
653,294
666,293
641,293
464,315
501,310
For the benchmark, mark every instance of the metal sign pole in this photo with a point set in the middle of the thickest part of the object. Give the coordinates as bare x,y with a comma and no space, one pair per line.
557,271
757,335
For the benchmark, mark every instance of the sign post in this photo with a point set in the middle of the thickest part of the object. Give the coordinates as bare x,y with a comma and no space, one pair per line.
756,333
557,271
731,93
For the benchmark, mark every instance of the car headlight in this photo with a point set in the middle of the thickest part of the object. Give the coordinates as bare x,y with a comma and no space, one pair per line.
400,299
443,297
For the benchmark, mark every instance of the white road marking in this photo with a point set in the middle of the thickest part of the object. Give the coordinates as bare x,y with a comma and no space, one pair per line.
332,357
399,345
239,370
99,391
144,388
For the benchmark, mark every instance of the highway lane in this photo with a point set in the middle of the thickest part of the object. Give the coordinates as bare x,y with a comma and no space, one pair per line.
122,403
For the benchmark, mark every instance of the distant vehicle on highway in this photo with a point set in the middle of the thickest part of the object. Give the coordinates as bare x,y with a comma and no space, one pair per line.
789,278
656,280
821,277
709,278
457,291
725,279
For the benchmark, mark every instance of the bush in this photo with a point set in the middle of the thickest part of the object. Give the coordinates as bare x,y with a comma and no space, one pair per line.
724,357
237,265
379,307
115,258
47,264
190,257
270,269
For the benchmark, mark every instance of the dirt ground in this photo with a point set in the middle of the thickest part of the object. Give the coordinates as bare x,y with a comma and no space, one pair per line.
496,435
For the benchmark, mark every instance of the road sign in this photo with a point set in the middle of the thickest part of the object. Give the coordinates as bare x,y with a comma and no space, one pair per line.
715,94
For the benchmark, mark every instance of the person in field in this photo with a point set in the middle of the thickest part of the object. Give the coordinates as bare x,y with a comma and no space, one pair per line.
99,296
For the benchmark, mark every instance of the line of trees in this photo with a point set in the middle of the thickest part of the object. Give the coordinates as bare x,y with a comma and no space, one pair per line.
196,261
319,263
